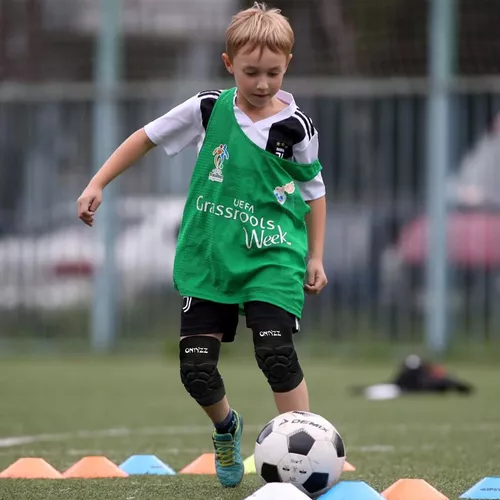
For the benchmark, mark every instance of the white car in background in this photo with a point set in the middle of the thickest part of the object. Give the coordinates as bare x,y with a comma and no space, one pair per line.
55,270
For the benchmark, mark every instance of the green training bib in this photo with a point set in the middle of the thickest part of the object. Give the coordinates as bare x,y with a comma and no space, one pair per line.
243,235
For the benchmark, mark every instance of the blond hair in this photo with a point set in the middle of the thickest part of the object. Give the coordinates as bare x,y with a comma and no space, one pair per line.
259,26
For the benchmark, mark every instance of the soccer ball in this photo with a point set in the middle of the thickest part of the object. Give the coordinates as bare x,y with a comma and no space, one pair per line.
300,448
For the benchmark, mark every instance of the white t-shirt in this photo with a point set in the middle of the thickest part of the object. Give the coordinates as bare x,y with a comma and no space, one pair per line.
290,133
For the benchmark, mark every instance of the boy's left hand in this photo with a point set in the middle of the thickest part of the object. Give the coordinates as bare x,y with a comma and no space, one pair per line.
316,277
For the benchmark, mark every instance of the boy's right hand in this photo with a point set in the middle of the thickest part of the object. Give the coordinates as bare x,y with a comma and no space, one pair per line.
88,203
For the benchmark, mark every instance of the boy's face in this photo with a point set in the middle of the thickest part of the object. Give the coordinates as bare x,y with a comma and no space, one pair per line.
258,74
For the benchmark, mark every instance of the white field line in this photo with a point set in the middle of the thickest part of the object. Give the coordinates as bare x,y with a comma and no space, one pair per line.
375,448
164,453
193,430
8,442
73,452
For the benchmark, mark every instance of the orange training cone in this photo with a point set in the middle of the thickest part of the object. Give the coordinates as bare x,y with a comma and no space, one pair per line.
412,489
348,467
94,467
31,468
205,464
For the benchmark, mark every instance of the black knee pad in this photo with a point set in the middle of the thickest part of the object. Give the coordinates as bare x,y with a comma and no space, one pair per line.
199,356
277,358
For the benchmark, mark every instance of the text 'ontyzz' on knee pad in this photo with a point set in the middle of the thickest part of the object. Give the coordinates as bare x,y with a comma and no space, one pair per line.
199,356
277,358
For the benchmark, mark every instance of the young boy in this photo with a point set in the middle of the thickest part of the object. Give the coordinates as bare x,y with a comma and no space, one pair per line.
255,212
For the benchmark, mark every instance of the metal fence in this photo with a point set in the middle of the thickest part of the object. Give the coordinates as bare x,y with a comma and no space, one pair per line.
373,152
360,70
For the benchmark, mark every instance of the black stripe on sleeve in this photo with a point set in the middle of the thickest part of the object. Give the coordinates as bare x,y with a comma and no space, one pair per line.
284,135
206,107
214,93
307,123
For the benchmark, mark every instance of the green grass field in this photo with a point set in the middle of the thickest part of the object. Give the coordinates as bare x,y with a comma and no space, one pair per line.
117,407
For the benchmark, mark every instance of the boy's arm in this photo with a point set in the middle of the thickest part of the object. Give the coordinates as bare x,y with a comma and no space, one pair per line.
131,150
313,193
174,131
183,125
180,127
316,222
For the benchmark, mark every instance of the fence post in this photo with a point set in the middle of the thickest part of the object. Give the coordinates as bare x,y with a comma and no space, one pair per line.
442,46
107,71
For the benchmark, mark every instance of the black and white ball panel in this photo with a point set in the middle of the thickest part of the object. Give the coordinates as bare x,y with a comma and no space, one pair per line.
265,432
294,469
275,444
316,483
270,473
338,444
300,448
317,427
300,443
322,449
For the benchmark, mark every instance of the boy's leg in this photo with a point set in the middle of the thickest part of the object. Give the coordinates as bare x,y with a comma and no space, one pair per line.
295,400
206,386
199,356
273,330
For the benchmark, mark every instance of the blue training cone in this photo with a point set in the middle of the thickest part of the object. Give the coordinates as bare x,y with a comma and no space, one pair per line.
146,464
486,489
348,490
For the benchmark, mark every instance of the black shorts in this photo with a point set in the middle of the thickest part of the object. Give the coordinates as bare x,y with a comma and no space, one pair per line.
201,316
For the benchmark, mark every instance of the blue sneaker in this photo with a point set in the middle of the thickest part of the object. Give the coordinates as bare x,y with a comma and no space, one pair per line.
228,459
